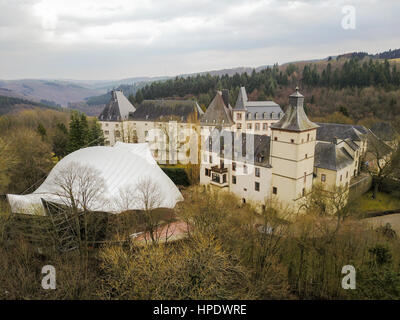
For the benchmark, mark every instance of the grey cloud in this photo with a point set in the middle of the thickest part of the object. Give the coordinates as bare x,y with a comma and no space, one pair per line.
227,34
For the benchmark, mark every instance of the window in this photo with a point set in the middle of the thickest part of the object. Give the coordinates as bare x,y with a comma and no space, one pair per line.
117,134
257,172
257,186
224,178
256,115
107,143
323,177
210,159
257,126
210,144
249,116
272,115
244,200
244,169
249,126
265,126
276,138
303,192
233,179
308,137
215,177
207,172
347,174
221,164
106,132
116,125
292,140
306,156
341,177
305,177
265,115
239,126
233,166
238,116
146,134
274,190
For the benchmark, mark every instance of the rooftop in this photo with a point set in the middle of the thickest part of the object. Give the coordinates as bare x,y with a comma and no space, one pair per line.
118,108
295,119
218,113
166,110
332,157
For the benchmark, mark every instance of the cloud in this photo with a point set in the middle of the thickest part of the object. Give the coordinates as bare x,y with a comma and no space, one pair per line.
112,39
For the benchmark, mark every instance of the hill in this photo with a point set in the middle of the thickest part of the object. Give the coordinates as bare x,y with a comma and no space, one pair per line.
50,92
11,104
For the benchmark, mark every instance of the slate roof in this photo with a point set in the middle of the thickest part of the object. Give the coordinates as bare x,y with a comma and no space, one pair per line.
165,110
241,99
118,108
329,132
295,119
217,113
258,150
271,109
330,156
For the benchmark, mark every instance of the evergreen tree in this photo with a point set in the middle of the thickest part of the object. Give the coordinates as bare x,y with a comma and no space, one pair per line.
96,137
41,130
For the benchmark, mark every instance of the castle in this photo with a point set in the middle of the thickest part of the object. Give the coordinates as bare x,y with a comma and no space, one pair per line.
254,149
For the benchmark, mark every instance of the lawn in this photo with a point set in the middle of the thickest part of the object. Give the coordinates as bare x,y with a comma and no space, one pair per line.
382,202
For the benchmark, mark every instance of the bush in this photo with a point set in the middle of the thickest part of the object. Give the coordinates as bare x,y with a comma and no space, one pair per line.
177,175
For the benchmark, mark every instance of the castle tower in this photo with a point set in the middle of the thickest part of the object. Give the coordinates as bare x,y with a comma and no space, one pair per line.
293,141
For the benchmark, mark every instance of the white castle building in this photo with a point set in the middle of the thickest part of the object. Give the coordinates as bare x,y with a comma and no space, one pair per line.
263,155
253,149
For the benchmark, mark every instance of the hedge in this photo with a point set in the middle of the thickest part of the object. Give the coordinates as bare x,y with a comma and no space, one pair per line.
177,175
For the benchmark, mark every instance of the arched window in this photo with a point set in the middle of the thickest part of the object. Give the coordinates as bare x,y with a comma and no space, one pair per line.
256,115
265,115
272,115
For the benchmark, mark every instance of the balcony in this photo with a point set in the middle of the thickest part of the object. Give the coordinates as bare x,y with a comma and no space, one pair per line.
219,169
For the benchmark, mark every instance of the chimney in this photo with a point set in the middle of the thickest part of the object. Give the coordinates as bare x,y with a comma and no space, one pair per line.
225,96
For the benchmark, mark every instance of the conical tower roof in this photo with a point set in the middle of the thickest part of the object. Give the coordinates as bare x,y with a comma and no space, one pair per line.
295,119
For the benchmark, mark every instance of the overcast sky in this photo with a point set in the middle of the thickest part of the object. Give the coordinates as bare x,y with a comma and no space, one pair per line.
113,39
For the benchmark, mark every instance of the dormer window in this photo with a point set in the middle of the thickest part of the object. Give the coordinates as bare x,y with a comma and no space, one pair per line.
265,115
238,116
249,116
272,115
256,115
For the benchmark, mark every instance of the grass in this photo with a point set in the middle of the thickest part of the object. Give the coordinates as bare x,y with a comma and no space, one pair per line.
383,201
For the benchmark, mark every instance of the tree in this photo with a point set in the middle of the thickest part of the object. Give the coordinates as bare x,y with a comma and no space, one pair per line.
8,162
382,160
139,97
75,140
96,136
41,131
34,160
80,189
60,141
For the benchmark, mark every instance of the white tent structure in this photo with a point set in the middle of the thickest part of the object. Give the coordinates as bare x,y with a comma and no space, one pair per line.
128,175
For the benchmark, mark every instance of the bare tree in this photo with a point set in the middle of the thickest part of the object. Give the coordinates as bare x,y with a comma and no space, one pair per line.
80,188
382,161
149,199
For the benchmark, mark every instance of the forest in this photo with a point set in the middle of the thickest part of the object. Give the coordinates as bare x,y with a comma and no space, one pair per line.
354,88
32,141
